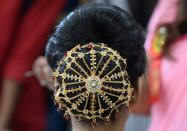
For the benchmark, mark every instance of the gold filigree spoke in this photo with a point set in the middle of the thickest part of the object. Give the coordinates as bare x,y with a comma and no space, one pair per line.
73,83
99,64
115,76
115,82
78,102
74,97
112,89
74,77
108,101
81,69
105,65
111,71
75,89
77,72
93,102
99,102
86,104
93,59
109,94
85,63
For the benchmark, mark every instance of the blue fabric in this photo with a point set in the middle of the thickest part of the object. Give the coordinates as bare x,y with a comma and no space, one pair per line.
56,120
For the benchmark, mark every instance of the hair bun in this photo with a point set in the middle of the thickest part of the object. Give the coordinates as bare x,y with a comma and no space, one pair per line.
92,82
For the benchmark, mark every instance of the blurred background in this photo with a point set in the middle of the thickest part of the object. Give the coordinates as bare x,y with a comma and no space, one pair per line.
25,25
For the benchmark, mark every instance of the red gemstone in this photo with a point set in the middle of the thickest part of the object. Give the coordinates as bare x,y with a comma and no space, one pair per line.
65,54
90,46
53,78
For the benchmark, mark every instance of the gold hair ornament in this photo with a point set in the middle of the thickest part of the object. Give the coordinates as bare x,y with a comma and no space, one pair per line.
87,78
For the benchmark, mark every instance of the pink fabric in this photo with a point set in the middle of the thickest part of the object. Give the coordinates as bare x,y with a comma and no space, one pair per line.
170,112
165,12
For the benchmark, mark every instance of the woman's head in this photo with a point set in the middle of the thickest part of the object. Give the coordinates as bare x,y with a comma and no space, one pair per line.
97,24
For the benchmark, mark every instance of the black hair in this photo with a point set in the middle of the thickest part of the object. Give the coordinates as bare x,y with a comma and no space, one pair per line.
100,24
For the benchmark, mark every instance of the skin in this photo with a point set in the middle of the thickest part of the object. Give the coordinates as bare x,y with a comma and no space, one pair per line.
10,92
43,72
142,105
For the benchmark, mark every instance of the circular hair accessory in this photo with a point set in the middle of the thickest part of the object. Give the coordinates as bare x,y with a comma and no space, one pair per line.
92,82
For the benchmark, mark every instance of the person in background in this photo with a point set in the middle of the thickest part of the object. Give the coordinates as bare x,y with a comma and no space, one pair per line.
24,26
166,47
